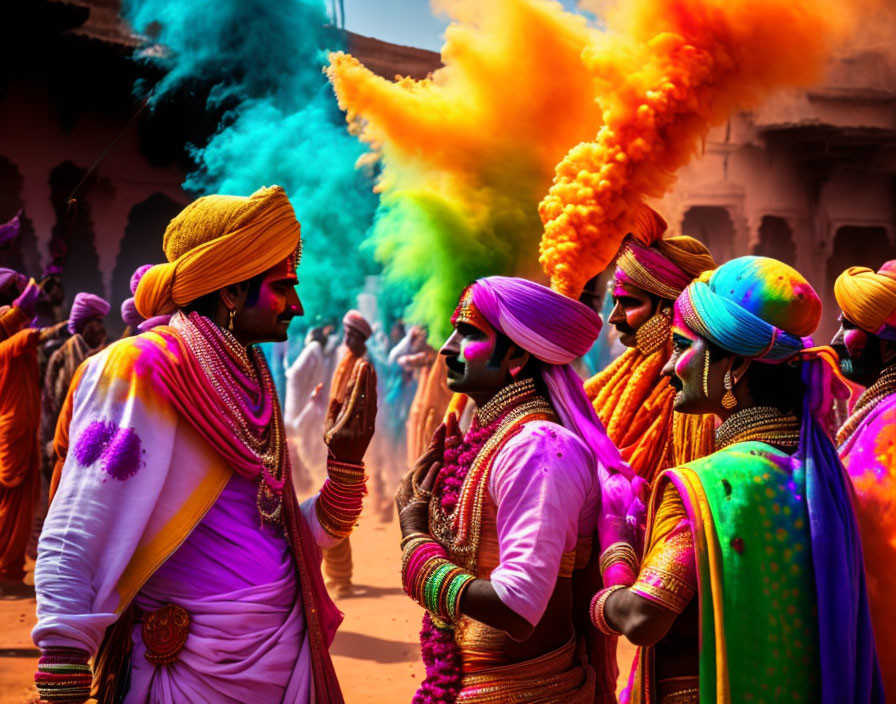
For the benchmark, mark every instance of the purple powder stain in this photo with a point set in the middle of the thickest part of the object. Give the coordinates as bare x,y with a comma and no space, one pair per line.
123,456
93,441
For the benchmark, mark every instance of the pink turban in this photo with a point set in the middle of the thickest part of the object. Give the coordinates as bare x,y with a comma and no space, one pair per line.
9,276
353,320
84,307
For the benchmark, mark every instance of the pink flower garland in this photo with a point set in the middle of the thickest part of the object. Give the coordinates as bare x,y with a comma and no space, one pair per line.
441,657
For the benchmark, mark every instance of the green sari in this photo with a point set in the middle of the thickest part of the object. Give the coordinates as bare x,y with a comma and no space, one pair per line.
756,587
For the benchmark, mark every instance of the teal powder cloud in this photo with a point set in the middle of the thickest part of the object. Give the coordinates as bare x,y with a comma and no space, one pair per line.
280,125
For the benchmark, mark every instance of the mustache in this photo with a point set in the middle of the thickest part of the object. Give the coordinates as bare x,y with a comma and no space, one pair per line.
454,364
676,383
624,328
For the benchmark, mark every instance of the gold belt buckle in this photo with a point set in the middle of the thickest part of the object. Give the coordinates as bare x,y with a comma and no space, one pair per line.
165,632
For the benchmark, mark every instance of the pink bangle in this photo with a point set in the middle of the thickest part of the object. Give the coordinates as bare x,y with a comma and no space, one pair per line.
598,603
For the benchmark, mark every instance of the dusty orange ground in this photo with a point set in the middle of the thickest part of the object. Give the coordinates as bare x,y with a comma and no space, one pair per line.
375,651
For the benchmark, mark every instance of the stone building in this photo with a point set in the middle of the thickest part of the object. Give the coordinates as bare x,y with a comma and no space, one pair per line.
96,174
809,178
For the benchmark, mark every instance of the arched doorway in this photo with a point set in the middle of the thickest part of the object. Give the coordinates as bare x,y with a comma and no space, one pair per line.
712,225
72,244
141,244
21,253
776,240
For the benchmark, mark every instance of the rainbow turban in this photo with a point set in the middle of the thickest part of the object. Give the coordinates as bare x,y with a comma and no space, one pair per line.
755,307
868,299
661,266
217,241
765,310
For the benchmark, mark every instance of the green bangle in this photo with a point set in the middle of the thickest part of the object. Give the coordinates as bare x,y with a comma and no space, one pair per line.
433,586
454,592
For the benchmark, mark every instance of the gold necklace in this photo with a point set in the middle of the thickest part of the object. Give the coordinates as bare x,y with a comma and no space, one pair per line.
499,402
760,423
873,395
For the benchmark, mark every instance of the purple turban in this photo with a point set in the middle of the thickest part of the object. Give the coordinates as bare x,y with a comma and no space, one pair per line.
555,330
8,276
353,320
137,275
129,313
10,230
153,322
84,307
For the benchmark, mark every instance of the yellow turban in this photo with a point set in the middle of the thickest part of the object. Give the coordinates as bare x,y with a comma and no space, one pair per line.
217,241
868,299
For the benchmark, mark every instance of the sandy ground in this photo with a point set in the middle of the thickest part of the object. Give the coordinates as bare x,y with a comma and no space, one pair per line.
375,651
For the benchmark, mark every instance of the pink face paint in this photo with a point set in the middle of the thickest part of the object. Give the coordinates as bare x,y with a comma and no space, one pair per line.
855,341
684,359
476,350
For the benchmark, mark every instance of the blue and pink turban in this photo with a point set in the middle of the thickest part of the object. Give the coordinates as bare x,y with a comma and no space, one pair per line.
556,330
764,310
84,307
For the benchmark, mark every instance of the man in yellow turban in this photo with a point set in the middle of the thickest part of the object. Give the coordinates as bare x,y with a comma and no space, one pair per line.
866,343
632,398
175,549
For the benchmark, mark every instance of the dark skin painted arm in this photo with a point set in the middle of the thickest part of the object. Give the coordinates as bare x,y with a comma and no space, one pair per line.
640,620
480,600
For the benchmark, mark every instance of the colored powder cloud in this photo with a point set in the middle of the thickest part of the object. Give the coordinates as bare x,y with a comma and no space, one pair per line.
280,125
466,155
664,72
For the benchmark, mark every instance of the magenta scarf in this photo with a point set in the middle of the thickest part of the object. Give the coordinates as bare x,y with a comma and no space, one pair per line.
556,330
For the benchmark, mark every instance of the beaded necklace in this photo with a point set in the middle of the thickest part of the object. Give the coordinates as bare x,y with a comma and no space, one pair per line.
760,423
247,400
868,401
455,515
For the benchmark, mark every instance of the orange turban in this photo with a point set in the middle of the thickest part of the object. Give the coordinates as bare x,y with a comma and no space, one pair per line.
868,299
217,241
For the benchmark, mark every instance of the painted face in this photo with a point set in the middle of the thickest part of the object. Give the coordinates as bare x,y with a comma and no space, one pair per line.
686,369
267,317
859,352
632,308
471,352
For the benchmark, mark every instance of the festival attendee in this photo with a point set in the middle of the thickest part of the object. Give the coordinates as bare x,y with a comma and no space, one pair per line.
305,410
175,552
752,587
19,422
338,559
495,522
866,343
88,336
632,398
129,313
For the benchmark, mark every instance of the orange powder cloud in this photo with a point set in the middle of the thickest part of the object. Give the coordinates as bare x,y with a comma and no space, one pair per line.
664,72
467,154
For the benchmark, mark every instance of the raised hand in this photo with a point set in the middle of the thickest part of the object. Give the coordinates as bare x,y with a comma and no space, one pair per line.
350,421
410,485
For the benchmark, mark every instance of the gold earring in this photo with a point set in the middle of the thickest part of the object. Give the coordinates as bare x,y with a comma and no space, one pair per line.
654,334
230,321
706,372
729,400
